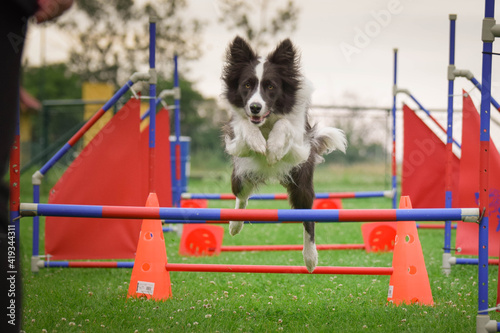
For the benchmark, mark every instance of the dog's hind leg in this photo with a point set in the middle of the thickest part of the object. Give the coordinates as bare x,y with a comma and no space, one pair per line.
301,196
242,188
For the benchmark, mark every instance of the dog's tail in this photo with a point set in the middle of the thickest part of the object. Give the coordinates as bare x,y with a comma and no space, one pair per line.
328,139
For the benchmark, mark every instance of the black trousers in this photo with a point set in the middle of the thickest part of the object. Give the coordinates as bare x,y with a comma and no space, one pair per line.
13,24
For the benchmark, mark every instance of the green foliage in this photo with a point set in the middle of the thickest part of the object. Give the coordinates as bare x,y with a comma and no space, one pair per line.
250,19
52,81
114,40
52,125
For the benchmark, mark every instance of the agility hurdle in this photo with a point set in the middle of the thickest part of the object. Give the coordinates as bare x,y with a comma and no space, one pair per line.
319,247
278,269
219,268
408,275
283,196
213,215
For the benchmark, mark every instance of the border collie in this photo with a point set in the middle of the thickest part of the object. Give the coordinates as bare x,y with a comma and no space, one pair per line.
269,135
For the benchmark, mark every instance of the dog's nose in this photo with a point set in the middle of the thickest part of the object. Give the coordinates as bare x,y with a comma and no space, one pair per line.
255,108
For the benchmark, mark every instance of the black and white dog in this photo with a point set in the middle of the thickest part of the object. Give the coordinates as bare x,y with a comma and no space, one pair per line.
269,135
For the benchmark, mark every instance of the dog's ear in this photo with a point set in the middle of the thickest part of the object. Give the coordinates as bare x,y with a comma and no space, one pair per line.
284,54
240,52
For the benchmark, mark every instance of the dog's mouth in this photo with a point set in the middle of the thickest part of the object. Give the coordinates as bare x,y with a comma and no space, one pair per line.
257,120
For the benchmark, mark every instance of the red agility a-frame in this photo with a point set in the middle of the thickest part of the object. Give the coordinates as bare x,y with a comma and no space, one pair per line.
111,170
467,233
424,164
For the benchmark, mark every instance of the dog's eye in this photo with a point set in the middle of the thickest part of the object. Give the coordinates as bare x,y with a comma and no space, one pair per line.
270,87
248,85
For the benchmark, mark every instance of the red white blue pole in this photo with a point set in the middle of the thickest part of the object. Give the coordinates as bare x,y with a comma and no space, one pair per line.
211,214
284,196
272,269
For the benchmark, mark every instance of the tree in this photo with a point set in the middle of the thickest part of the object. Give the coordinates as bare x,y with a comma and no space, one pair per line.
113,37
53,81
250,18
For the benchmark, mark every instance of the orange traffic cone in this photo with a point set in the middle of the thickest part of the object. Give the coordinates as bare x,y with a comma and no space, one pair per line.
409,282
149,276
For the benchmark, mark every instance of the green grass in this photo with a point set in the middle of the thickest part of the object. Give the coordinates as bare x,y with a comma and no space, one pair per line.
94,300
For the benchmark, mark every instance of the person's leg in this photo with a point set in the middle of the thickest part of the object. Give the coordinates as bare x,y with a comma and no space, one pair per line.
13,24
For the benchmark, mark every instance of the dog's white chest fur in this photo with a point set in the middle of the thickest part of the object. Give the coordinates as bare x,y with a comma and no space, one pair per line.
273,149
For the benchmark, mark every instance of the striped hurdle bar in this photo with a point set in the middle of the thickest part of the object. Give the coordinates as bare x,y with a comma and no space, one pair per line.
276,215
229,268
284,196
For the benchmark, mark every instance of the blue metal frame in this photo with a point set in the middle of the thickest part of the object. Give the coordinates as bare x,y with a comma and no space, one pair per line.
484,138
394,166
449,141
177,187
152,102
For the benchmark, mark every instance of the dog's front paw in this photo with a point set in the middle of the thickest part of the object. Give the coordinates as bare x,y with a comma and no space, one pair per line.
257,143
310,255
276,151
235,227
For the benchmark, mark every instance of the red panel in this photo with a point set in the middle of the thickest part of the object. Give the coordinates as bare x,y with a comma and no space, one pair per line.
162,182
424,164
467,233
106,172
111,170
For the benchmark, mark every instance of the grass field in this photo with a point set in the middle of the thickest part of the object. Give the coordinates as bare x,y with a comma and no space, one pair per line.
94,300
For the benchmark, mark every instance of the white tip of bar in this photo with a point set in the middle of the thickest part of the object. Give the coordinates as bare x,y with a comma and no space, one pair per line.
389,194
28,209
470,214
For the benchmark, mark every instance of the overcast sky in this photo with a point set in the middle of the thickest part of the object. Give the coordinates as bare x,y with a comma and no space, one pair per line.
347,48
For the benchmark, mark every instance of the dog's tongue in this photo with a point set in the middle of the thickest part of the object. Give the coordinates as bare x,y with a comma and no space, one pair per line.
256,119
